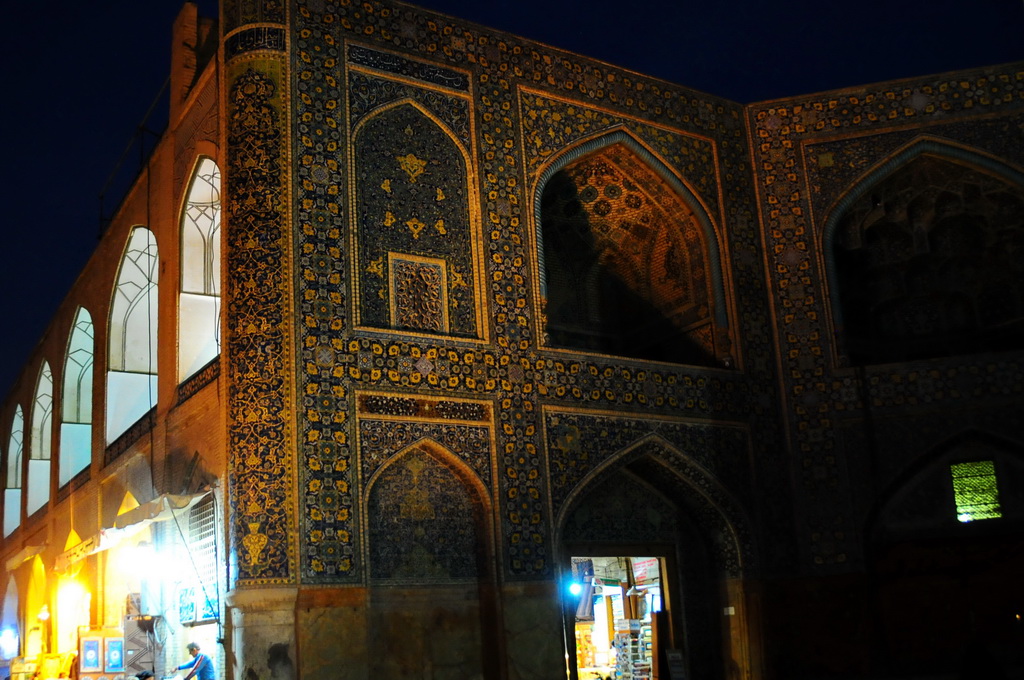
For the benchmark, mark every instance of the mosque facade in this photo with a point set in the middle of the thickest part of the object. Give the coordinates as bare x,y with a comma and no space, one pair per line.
418,349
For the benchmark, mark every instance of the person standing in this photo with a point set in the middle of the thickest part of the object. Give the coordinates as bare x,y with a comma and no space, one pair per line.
201,664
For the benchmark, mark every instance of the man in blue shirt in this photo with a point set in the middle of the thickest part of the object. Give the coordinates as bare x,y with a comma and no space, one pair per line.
201,664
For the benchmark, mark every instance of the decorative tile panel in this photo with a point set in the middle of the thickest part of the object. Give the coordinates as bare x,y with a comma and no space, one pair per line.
261,464
411,198
507,150
809,152
419,292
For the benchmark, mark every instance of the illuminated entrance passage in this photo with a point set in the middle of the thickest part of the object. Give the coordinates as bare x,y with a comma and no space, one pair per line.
620,603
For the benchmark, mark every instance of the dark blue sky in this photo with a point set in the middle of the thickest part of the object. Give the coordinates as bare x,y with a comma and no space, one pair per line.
78,78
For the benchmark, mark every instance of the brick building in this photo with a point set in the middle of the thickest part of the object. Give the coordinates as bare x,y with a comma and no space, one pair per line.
421,350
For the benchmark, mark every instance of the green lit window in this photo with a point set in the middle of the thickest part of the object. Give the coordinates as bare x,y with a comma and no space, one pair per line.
974,487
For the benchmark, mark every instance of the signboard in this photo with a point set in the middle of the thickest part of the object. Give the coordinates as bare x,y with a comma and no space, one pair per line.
674,661
645,569
75,554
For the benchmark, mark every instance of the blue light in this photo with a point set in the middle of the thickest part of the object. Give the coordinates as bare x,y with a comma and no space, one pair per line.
575,588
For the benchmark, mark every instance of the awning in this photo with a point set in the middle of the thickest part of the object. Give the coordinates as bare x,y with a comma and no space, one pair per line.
20,557
161,508
127,524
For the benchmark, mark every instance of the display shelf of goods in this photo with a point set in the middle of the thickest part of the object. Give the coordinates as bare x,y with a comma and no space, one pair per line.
585,646
632,662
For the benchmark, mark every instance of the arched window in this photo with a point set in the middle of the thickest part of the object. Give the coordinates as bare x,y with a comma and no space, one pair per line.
40,442
12,494
927,260
627,261
76,404
131,374
199,302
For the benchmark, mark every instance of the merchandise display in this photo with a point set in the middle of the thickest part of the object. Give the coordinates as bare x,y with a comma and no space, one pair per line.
614,633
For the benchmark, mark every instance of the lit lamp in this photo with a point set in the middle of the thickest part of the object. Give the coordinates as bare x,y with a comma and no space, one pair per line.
44,625
8,643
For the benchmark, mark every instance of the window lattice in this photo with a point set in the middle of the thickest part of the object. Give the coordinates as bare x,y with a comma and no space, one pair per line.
14,450
77,406
200,267
42,414
199,304
76,400
975,490
134,307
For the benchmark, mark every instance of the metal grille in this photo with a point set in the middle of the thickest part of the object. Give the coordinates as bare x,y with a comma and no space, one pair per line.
202,545
975,490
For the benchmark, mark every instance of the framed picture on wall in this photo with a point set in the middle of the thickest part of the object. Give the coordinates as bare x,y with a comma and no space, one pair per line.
113,655
90,661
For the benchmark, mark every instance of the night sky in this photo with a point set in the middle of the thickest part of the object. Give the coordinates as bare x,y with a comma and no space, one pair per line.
78,78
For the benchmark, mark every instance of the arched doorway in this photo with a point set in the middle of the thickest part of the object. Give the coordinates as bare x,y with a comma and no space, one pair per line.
10,629
945,558
656,549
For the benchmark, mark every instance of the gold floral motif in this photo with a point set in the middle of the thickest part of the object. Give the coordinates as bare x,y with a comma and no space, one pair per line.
413,166
386,186
377,267
418,296
439,225
254,542
415,226
389,219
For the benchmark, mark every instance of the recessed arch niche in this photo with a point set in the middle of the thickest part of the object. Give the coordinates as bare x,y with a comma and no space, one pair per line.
628,258
925,257
652,500
415,245
431,563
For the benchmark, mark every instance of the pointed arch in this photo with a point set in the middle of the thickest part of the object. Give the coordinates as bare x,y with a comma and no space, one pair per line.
40,442
76,399
651,500
132,350
933,568
684,479
416,237
12,492
438,505
628,257
199,296
919,501
430,546
923,256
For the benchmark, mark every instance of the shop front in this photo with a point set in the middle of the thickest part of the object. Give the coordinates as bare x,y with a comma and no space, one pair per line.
615,623
125,600
652,574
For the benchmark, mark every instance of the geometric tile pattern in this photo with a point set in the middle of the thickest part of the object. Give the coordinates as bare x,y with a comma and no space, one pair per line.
809,152
415,247
700,138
